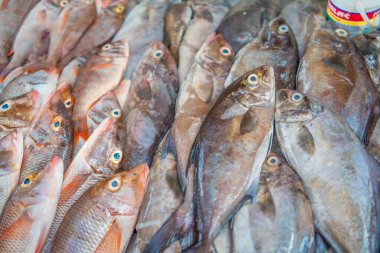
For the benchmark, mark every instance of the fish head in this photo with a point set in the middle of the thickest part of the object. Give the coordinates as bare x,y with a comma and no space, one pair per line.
58,3
277,34
159,54
293,106
11,152
116,7
116,49
67,96
332,38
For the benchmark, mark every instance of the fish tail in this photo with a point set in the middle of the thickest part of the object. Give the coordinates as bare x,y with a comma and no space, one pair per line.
80,131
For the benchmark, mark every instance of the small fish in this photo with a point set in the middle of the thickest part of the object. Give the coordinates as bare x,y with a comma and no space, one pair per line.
70,72
11,151
100,73
103,219
29,212
97,160
150,104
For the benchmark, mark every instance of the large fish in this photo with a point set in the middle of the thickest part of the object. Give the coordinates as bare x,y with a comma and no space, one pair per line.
230,149
150,104
206,17
104,27
279,219
103,219
98,159
345,86
334,168
12,14
143,25
28,214
276,46
100,73
11,150
68,28
32,41
198,94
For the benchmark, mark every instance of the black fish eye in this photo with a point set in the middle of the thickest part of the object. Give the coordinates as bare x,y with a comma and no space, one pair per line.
283,28
26,181
5,106
158,54
225,51
116,113
253,79
273,160
297,97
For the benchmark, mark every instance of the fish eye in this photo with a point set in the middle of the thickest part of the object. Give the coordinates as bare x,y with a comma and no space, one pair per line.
158,54
253,79
283,28
57,124
87,1
114,184
297,97
341,32
107,47
27,181
63,3
225,51
116,113
119,9
116,156
273,161
68,103
5,106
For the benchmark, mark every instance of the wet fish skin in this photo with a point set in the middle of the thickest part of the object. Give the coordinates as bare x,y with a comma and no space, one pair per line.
150,104
274,47
280,217
28,214
93,163
345,87
103,219
70,72
334,168
11,151
100,73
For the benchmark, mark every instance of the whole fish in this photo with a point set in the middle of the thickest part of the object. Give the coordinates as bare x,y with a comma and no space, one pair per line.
143,25
276,46
303,16
11,150
334,168
206,17
71,24
18,113
150,104
28,214
345,86
32,41
243,22
202,87
12,14
98,159
279,219
104,27
71,71
230,149
99,74
103,219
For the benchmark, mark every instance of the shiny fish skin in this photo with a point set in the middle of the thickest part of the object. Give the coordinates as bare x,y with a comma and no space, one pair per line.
70,72
150,104
334,168
103,219
280,218
11,150
345,86
29,212
91,165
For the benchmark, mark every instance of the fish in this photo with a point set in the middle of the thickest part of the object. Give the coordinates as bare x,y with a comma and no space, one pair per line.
280,217
177,18
230,148
334,168
121,91
72,22
28,214
70,72
18,113
206,17
303,17
103,219
150,104
32,40
99,74
243,22
11,151
143,25
345,86
106,24
374,142
98,159
276,46
202,87
12,14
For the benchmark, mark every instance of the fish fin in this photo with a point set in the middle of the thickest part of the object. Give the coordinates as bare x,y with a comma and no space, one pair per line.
64,20
42,16
41,240
4,4
248,122
80,131
111,242
306,141
104,65
10,52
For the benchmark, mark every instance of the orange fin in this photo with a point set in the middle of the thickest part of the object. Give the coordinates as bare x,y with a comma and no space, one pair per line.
69,190
5,4
111,241
42,16
41,241
64,20
10,52
103,65
80,131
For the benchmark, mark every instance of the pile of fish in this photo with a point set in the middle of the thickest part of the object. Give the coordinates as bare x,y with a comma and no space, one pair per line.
187,126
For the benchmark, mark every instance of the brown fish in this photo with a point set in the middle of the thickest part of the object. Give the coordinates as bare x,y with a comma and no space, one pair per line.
98,159
103,219
345,86
150,104
99,74
27,217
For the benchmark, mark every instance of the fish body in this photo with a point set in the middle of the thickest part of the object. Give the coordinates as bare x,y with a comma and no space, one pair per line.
150,104
70,72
